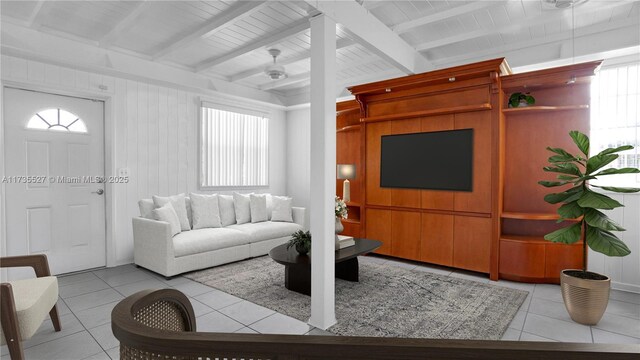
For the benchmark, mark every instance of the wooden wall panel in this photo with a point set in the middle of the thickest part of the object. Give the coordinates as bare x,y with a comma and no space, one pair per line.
437,239
523,169
472,243
560,257
478,200
375,194
378,227
405,197
405,231
437,199
522,259
472,96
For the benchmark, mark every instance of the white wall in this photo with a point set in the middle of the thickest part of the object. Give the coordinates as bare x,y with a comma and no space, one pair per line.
154,136
624,271
298,156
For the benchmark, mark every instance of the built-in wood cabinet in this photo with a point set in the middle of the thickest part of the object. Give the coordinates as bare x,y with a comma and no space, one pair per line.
497,227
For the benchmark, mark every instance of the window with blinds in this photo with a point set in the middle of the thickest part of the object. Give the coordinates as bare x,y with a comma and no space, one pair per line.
615,119
234,149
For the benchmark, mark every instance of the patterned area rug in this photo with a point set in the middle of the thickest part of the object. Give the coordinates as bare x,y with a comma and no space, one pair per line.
388,301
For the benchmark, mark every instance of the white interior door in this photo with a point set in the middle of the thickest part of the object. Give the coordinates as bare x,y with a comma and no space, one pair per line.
54,161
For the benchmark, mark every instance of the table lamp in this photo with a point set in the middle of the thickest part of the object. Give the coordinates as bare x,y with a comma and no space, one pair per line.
346,172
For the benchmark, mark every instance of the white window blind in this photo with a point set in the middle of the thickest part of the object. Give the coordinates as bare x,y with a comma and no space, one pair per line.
234,149
615,119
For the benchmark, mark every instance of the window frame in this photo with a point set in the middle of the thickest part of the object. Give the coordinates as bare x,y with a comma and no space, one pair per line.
609,180
245,110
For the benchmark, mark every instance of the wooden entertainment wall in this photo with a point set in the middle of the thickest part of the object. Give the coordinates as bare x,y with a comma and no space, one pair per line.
497,227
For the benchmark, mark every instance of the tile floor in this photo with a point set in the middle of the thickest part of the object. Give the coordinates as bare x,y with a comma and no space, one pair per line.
86,301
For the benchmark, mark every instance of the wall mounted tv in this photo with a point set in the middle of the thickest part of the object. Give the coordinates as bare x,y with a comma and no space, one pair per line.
441,160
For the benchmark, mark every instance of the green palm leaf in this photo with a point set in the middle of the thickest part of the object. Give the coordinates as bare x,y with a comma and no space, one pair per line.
581,140
595,200
600,220
606,243
567,235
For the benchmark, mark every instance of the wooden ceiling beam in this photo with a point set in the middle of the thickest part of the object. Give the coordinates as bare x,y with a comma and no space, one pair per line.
291,30
341,43
542,18
374,35
225,19
444,15
582,35
36,15
125,24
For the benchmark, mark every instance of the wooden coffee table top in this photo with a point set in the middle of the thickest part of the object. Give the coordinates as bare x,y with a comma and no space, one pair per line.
281,255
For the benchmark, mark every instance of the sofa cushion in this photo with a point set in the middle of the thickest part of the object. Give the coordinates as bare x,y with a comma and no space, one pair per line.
258,207
227,210
242,204
267,230
146,207
168,214
34,298
203,240
282,209
179,205
205,211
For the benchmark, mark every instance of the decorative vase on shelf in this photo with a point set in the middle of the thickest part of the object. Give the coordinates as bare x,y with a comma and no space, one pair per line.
339,229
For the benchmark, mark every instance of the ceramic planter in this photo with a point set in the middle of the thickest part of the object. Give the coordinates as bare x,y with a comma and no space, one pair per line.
585,299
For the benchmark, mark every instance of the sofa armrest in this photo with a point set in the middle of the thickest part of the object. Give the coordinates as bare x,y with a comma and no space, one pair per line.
152,244
299,216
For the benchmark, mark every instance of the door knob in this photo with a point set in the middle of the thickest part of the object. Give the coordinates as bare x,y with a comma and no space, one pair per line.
99,192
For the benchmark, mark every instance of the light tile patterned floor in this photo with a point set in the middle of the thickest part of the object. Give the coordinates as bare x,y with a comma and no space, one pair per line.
86,301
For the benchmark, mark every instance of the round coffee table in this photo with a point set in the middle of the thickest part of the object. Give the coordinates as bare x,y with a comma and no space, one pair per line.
297,268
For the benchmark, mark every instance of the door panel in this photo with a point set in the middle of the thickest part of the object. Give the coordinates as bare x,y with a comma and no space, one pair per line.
378,227
437,239
60,214
405,231
375,194
472,243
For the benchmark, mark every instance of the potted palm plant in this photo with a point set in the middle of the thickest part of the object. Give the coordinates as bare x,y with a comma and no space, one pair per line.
301,240
585,293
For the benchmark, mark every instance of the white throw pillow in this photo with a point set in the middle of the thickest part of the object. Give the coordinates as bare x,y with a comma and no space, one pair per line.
179,205
205,211
146,207
258,207
282,209
168,214
227,210
269,205
242,205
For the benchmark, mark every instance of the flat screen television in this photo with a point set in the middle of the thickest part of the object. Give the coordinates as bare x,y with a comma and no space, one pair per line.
441,160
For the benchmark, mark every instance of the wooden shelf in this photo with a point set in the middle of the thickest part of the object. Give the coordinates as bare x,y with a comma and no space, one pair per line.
531,239
539,109
532,216
352,203
433,112
353,221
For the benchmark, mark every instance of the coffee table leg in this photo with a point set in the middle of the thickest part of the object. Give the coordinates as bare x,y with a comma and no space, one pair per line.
348,270
298,278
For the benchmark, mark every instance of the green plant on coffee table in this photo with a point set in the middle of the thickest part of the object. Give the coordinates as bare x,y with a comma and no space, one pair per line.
516,98
301,240
580,202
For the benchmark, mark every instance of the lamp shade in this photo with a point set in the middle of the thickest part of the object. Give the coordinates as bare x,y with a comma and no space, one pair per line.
346,171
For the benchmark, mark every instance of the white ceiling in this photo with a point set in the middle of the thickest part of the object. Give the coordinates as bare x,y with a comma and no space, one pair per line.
227,40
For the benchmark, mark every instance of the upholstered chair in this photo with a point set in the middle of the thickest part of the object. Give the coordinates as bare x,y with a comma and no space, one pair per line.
24,304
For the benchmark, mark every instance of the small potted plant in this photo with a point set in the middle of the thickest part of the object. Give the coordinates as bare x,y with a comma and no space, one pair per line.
301,240
521,100
585,293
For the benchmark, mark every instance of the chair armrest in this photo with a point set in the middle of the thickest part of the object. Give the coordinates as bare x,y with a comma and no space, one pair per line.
39,263
299,215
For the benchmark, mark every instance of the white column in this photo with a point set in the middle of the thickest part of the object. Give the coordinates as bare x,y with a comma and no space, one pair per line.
323,171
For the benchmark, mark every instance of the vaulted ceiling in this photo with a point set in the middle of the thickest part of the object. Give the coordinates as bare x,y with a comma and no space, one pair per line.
228,40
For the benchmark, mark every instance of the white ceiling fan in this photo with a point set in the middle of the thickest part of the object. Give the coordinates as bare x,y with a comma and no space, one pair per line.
275,71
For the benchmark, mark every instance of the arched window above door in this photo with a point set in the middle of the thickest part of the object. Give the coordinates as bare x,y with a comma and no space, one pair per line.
57,120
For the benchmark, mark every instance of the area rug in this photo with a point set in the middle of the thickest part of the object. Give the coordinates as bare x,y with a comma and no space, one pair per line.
389,301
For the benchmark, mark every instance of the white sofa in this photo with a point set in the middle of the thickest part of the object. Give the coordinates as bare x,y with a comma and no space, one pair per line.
155,249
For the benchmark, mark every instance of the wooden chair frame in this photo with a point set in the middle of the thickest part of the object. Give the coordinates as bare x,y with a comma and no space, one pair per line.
138,341
8,316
